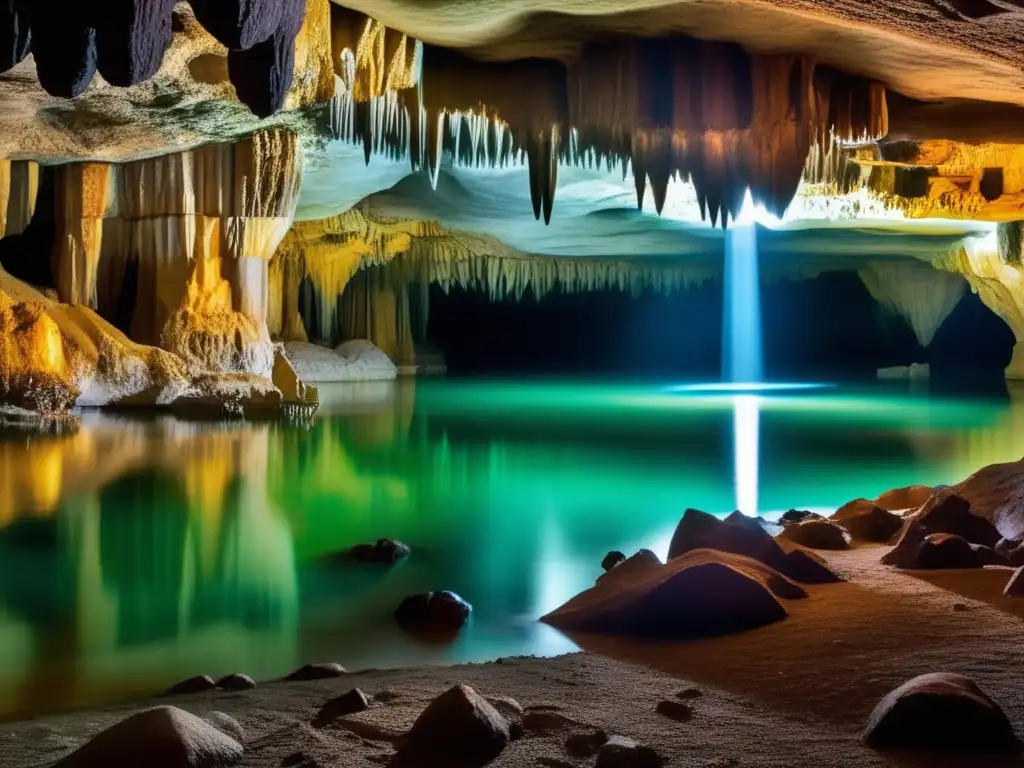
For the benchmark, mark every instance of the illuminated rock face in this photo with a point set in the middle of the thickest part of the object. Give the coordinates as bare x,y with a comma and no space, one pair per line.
919,293
196,229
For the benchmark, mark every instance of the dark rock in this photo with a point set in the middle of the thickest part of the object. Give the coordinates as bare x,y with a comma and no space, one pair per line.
584,745
798,516
459,727
317,672
866,521
64,48
704,592
943,551
945,512
689,693
543,723
131,39
612,559
15,32
163,737
910,497
746,537
675,710
197,684
227,724
387,696
959,607
1012,550
620,752
386,551
511,710
341,706
1015,586
262,74
236,682
816,534
939,711
239,24
437,614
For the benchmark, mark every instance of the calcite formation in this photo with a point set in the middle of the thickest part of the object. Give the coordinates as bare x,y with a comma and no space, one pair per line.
919,293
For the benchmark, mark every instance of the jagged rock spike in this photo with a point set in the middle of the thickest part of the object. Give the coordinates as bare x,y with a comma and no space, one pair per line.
551,152
240,24
263,73
536,162
15,32
64,48
131,39
436,129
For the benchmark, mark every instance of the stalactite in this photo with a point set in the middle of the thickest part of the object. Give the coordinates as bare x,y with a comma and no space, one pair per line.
1010,239
131,39
921,294
64,46
262,73
240,24
15,32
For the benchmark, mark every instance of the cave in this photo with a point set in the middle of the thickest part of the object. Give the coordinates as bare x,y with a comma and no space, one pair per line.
580,383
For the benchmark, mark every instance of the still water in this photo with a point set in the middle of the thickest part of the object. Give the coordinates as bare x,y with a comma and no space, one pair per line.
136,552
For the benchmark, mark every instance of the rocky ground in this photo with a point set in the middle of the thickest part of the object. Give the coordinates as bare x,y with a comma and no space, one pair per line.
794,693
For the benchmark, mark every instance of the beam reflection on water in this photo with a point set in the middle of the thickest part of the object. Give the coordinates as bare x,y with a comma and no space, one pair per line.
746,451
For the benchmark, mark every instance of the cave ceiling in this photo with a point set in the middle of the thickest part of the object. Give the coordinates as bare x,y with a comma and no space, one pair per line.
918,70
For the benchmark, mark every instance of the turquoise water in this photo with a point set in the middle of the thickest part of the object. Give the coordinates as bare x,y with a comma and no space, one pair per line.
135,552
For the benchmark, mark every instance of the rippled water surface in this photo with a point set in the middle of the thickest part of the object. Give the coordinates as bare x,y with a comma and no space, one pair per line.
138,551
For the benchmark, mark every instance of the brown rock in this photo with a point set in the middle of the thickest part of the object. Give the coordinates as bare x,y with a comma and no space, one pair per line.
197,684
866,521
163,737
939,711
675,710
317,672
227,724
584,745
816,534
620,752
943,551
340,706
459,726
612,559
236,682
905,498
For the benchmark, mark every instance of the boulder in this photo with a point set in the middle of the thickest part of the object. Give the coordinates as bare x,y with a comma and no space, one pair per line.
511,710
433,613
163,737
1015,586
612,559
945,512
227,724
943,551
341,706
236,682
386,551
322,671
197,684
704,592
816,534
798,516
939,711
908,497
620,752
866,521
996,494
745,536
459,727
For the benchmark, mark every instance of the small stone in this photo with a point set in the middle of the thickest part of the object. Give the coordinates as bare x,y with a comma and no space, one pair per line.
959,606
511,710
620,752
612,559
340,706
689,693
386,551
317,672
163,737
385,696
236,682
197,684
459,726
675,710
443,612
227,724
585,744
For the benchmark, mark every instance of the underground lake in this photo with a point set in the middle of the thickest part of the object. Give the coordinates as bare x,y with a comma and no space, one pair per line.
137,551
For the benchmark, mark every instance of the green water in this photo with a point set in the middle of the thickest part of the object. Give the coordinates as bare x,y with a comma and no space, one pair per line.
136,552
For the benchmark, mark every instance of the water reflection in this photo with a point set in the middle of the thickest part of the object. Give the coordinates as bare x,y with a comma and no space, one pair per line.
134,552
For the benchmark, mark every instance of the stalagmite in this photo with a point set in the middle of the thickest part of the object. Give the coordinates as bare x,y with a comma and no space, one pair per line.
919,293
131,39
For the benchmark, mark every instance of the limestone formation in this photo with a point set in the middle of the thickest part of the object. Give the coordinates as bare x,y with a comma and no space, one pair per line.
702,592
356,360
920,294
937,712
162,737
